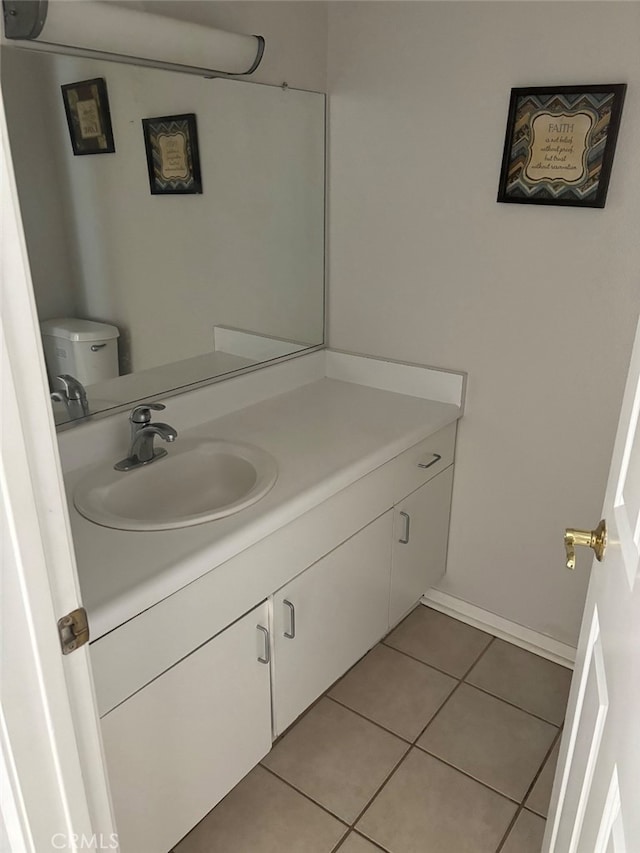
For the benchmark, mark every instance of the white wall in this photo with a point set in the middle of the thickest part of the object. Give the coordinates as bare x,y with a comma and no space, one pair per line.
538,304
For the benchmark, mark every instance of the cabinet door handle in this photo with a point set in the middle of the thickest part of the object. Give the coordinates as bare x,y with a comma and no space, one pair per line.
267,649
407,523
436,458
291,633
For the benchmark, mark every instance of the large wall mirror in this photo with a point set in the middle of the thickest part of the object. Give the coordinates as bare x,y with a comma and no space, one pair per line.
194,285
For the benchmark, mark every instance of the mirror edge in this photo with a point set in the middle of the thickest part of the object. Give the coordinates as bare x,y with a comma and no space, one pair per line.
183,389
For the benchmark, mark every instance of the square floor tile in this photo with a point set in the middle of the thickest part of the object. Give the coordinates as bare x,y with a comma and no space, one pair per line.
538,799
427,800
439,640
357,844
394,690
527,680
263,813
526,835
490,740
336,758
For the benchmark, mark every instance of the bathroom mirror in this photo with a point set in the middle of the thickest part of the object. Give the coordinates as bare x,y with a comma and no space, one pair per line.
197,285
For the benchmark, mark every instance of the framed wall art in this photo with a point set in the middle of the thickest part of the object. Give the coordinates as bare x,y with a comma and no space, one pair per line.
560,143
173,160
87,108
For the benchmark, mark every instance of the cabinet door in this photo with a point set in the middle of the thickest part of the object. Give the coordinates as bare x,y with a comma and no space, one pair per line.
420,537
176,747
328,617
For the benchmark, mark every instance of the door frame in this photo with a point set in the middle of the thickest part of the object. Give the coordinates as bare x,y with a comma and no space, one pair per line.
54,782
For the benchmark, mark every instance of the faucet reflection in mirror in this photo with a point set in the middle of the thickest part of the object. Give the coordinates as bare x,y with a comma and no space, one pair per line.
193,287
72,395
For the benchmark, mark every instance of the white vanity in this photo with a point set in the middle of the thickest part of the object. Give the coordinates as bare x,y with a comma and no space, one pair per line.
209,641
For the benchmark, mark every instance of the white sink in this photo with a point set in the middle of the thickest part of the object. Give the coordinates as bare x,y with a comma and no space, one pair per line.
199,481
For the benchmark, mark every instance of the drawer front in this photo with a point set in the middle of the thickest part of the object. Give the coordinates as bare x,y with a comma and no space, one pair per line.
423,462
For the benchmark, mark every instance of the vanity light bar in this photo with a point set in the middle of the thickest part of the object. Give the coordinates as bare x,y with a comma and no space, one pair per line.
114,32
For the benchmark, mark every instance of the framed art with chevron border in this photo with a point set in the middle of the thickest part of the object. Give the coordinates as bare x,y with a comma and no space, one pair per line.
173,160
560,143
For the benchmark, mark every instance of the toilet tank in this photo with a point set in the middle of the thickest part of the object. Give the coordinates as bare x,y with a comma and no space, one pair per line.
83,348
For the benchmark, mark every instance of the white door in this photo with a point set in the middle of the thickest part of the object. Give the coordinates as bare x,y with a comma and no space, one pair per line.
595,804
53,788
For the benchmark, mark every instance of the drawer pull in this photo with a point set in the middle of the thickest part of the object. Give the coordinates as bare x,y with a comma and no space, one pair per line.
267,649
436,458
407,523
291,633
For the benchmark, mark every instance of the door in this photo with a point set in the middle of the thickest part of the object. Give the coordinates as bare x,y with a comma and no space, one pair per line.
328,617
420,538
52,782
175,748
594,806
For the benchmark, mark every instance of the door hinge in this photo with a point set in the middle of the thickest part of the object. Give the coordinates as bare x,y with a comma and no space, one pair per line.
74,630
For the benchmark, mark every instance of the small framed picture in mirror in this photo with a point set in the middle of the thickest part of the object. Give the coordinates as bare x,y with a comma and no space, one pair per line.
173,160
87,107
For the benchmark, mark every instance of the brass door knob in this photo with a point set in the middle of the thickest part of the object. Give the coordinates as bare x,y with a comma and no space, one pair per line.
594,539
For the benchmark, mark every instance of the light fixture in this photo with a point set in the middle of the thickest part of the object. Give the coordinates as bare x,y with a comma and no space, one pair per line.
95,28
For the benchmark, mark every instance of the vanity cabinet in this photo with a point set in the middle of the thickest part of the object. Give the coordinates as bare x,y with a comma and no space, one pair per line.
420,538
182,727
328,617
177,746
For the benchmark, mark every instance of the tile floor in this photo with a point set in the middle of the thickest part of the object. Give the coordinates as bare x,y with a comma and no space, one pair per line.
443,739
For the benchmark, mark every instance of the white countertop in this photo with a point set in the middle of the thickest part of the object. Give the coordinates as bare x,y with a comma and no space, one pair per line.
324,436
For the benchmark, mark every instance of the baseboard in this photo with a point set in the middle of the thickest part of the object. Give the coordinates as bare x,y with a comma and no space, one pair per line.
526,638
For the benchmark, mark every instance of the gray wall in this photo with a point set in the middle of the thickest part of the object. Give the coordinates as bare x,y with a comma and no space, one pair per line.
538,304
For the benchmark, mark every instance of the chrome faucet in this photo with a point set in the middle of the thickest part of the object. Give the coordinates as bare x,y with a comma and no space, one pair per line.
143,432
73,395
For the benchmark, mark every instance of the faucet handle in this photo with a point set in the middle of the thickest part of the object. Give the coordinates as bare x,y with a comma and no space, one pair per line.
142,414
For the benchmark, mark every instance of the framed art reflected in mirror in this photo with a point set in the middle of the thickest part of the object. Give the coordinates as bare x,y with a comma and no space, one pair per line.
86,106
173,160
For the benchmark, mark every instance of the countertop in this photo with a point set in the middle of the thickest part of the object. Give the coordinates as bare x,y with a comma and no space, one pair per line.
324,436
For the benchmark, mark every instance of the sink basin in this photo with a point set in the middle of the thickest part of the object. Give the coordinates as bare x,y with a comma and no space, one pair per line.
199,481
